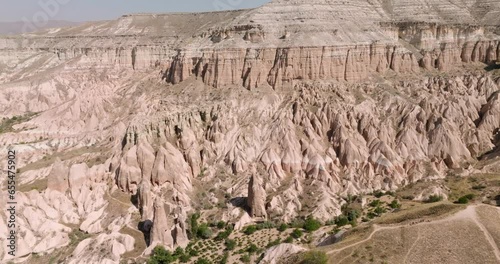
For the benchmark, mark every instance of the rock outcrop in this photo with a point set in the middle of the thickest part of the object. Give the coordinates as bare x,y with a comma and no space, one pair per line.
256,200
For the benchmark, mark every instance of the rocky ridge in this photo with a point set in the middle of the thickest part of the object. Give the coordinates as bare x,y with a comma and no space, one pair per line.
155,107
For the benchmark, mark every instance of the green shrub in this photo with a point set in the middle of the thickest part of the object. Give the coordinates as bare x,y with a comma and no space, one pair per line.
288,240
375,203
297,233
311,224
193,253
178,252
273,243
379,210
395,204
245,258
203,261
470,196
221,225
185,258
378,193
225,234
314,257
193,222
282,227
204,232
252,248
352,214
341,220
265,225
465,199
161,256
434,199
230,244
462,200
250,230
224,259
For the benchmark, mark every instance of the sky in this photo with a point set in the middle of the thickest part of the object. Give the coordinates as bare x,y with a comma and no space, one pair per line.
88,10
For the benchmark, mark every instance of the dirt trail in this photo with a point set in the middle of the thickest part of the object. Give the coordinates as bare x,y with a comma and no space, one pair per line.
487,234
467,214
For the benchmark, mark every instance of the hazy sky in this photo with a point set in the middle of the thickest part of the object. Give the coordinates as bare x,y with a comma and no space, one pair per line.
84,10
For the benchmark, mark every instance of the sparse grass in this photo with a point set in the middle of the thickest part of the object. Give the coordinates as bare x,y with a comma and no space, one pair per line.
50,159
39,185
420,212
7,124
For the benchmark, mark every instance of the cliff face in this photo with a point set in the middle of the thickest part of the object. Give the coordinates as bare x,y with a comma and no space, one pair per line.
246,48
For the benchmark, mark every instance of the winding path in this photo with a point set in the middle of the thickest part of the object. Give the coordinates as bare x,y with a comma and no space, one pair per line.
469,213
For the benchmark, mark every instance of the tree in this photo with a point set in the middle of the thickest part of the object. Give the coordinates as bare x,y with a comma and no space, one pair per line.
395,204
352,215
341,220
282,227
178,252
221,225
311,224
224,259
314,257
245,258
250,230
193,222
375,203
203,261
434,199
161,256
252,248
204,232
297,233
230,244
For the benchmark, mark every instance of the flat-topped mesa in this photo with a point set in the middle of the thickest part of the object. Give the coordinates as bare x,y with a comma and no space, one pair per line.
294,40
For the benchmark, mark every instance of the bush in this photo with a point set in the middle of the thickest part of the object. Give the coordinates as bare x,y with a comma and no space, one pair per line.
265,225
204,232
462,200
193,253
161,256
378,193
379,210
297,233
221,225
341,220
470,196
434,199
193,222
185,258
178,252
375,203
312,224
245,258
395,204
224,259
465,199
252,248
250,230
352,215
288,240
225,234
273,243
314,257
230,244
282,227
203,261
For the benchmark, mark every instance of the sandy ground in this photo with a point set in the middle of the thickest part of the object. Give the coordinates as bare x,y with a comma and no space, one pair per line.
464,237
